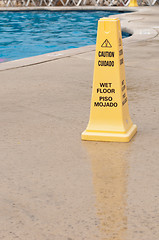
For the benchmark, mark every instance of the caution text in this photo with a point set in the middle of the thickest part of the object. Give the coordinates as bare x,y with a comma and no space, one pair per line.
105,54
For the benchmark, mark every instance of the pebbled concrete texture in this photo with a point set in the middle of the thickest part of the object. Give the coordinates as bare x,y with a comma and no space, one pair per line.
53,185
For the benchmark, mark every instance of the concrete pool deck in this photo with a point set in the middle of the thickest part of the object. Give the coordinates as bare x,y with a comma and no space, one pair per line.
53,185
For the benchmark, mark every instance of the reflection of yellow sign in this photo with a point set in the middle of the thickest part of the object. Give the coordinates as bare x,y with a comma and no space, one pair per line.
109,115
109,173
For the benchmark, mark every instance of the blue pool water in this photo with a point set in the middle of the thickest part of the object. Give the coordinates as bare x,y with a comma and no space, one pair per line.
31,33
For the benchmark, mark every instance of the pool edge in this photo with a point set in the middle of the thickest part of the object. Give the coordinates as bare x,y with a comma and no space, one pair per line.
139,33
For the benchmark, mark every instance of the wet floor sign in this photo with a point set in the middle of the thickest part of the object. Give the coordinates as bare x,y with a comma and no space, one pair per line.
109,114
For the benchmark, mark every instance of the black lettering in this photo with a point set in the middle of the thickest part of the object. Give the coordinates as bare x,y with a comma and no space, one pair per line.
121,52
105,104
99,54
105,90
125,100
112,54
96,104
123,88
105,98
115,104
106,63
105,54
121,61
105,84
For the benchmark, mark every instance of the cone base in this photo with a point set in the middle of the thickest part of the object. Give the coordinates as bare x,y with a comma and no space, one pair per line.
108,136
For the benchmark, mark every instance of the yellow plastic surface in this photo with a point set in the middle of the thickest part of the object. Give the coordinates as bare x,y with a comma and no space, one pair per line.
133,3
109,114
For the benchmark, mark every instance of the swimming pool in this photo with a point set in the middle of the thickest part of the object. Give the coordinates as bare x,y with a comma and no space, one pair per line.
30,33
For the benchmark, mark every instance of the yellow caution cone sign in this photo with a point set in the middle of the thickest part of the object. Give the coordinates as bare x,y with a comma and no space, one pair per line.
133,3
109,114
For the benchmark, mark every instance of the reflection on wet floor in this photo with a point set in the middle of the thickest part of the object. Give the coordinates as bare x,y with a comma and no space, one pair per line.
109,172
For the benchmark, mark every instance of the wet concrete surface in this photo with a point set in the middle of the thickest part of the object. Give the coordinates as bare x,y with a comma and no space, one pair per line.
56,187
